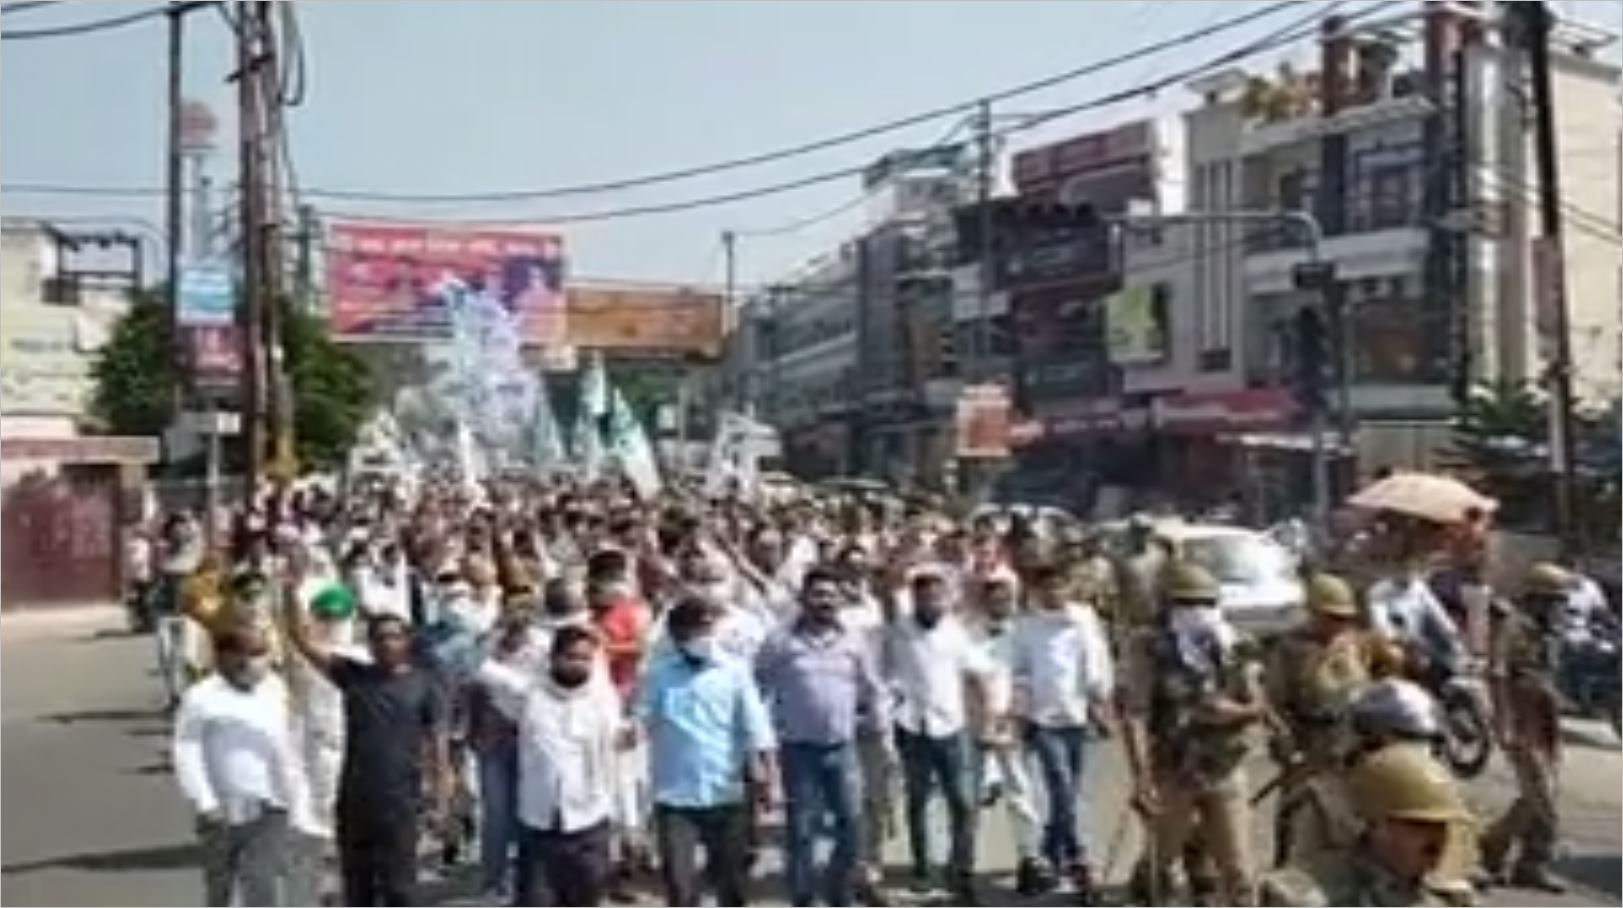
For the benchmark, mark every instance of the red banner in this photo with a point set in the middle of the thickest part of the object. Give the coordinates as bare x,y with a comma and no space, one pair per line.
403,281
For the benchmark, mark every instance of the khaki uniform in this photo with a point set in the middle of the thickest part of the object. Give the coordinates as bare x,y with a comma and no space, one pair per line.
1197,767
1522,660
1138,585
1351,877
1312,684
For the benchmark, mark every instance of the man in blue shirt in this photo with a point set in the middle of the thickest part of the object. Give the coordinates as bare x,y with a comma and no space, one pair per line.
821,681
710,740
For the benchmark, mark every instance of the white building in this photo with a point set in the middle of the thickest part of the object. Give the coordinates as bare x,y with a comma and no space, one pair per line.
1430,231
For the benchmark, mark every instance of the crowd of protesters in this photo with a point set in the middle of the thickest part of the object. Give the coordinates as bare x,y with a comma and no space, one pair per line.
583,690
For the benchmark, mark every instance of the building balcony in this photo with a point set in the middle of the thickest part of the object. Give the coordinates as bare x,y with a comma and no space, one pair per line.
1374,253
1264,137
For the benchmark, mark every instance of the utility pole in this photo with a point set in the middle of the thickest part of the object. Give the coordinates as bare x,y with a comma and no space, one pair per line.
251,198
305,264
1534,29
174,176
979,346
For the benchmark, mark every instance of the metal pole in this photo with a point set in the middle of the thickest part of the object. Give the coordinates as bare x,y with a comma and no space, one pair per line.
174,176
1536,32
253,265
979,346
211,476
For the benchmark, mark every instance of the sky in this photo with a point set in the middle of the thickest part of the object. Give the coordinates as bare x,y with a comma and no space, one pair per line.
463,96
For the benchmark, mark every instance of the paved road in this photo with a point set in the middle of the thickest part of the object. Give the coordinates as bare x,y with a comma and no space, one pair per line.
92,817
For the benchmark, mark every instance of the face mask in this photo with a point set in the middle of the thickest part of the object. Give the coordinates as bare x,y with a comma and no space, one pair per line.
569,676
1197,621
700,650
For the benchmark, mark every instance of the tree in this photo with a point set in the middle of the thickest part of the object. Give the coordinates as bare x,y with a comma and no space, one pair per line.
135,371
135,376
332,392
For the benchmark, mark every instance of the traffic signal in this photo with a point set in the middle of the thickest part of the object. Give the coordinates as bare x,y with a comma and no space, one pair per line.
1312,364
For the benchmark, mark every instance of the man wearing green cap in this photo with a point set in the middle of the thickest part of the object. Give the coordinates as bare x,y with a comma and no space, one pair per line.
318,745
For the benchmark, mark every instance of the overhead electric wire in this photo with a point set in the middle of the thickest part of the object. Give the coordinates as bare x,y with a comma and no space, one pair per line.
23,6
1269,42
806,147
85,28
800,224
833,141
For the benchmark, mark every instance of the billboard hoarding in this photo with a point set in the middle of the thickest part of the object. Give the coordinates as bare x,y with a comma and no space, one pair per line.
207,298
215,355
643,319
403,282
983,422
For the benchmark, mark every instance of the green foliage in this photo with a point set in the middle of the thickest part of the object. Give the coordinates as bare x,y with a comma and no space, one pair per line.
1498,427
135,376
135,373
331,390
1501,440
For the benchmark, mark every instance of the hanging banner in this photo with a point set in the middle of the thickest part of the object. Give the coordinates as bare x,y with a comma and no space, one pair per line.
983,422
644,319
402,282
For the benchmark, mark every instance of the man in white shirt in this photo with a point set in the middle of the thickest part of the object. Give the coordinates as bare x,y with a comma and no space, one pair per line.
569,727
1402,608
233,757
1063,681
930,656
1000,766
318,742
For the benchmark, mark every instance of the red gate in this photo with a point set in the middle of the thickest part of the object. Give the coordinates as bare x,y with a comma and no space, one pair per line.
61,543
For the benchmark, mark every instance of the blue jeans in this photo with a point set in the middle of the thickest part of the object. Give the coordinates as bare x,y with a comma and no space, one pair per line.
928,763
1061,755
498,813
822,789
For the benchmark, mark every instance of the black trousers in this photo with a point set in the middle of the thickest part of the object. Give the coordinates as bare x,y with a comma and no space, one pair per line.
574,866
723,833
377,851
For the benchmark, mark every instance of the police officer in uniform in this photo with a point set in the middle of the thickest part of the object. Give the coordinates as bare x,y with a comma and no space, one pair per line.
1316,674
1408,803
1521,671
1192,692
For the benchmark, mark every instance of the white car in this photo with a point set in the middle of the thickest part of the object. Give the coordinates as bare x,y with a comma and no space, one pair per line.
1262,593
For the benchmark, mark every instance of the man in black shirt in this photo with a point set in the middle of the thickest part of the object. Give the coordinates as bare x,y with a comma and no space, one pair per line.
394,721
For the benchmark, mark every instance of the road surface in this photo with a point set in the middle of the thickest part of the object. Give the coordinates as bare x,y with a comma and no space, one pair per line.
92,816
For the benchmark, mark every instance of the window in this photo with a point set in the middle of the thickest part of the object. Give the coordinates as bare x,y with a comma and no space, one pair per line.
1389,197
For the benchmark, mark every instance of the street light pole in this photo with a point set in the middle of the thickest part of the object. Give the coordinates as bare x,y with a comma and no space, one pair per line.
1325,276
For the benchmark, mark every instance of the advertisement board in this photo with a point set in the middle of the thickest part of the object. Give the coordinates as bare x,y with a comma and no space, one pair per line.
1136,325
214,353
404,282
675,320
46,355
207,297
983,422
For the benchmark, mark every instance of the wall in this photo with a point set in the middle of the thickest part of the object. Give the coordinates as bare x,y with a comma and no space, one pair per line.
1587,124
47,349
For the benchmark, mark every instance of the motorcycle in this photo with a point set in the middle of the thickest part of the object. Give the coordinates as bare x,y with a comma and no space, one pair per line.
1591,680
1467,729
